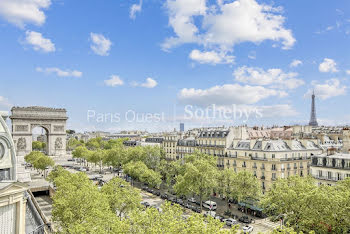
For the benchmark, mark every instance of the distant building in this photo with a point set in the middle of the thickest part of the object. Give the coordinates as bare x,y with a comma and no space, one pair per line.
182,127
330,168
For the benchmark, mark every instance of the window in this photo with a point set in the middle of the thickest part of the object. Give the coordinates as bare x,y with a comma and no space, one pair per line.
273,155
273,167
329,175
264,156
273,176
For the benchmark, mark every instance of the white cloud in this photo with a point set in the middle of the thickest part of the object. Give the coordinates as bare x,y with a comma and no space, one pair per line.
273,77
328,65
134,9
224,25
114,81
252,55
60,72
331,88
296,63
100,45
39,43
21,12
4,102
149,83
227,94
210,57
275,111
348,72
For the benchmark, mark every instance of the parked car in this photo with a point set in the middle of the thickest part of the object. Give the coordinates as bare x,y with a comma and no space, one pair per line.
196,209
231,222
222,219
172,199
164,196
146,204
82,169
179,201
247,229
157,193
211,205
210,213
71,160
191,199
188,205
245,219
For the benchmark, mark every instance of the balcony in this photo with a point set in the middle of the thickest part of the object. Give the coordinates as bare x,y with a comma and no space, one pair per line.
255,167
262,168
295,167
301,167
326,178
273,169
244,165
288,168
283,169
273,178
235,165
257,158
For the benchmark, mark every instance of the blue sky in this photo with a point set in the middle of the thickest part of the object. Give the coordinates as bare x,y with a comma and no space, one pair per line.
157,57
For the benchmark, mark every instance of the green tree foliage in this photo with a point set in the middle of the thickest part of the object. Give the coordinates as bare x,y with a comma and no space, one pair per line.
308,207
96,143
139,171
199,176
73,143
121,196
116,157
97,157
171,220
38,145
81,152
79,207
39,160
245,186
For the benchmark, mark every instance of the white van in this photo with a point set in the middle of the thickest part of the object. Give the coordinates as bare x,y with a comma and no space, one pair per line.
210,205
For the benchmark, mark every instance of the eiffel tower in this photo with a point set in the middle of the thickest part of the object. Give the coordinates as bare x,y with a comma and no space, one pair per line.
313,120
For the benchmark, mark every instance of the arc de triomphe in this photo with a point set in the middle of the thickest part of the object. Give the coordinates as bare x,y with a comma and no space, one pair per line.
25,119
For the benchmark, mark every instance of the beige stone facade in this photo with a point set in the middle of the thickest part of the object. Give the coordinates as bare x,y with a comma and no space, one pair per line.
269,160
169,146
329,169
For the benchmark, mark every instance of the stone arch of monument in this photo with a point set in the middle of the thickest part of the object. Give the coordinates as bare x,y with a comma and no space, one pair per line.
25,119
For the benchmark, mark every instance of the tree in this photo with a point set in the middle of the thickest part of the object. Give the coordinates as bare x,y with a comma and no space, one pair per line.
139,171
79,207
226,181
81,152
73,143
38,145
199,176
245,186
39,160
96,143
115,157
97,157
306,206
121,196
171,220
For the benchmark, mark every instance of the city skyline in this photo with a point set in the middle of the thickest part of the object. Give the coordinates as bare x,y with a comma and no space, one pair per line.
154,57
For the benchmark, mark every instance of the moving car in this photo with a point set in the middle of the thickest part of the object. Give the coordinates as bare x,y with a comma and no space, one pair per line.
231,222
247,229
211,205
